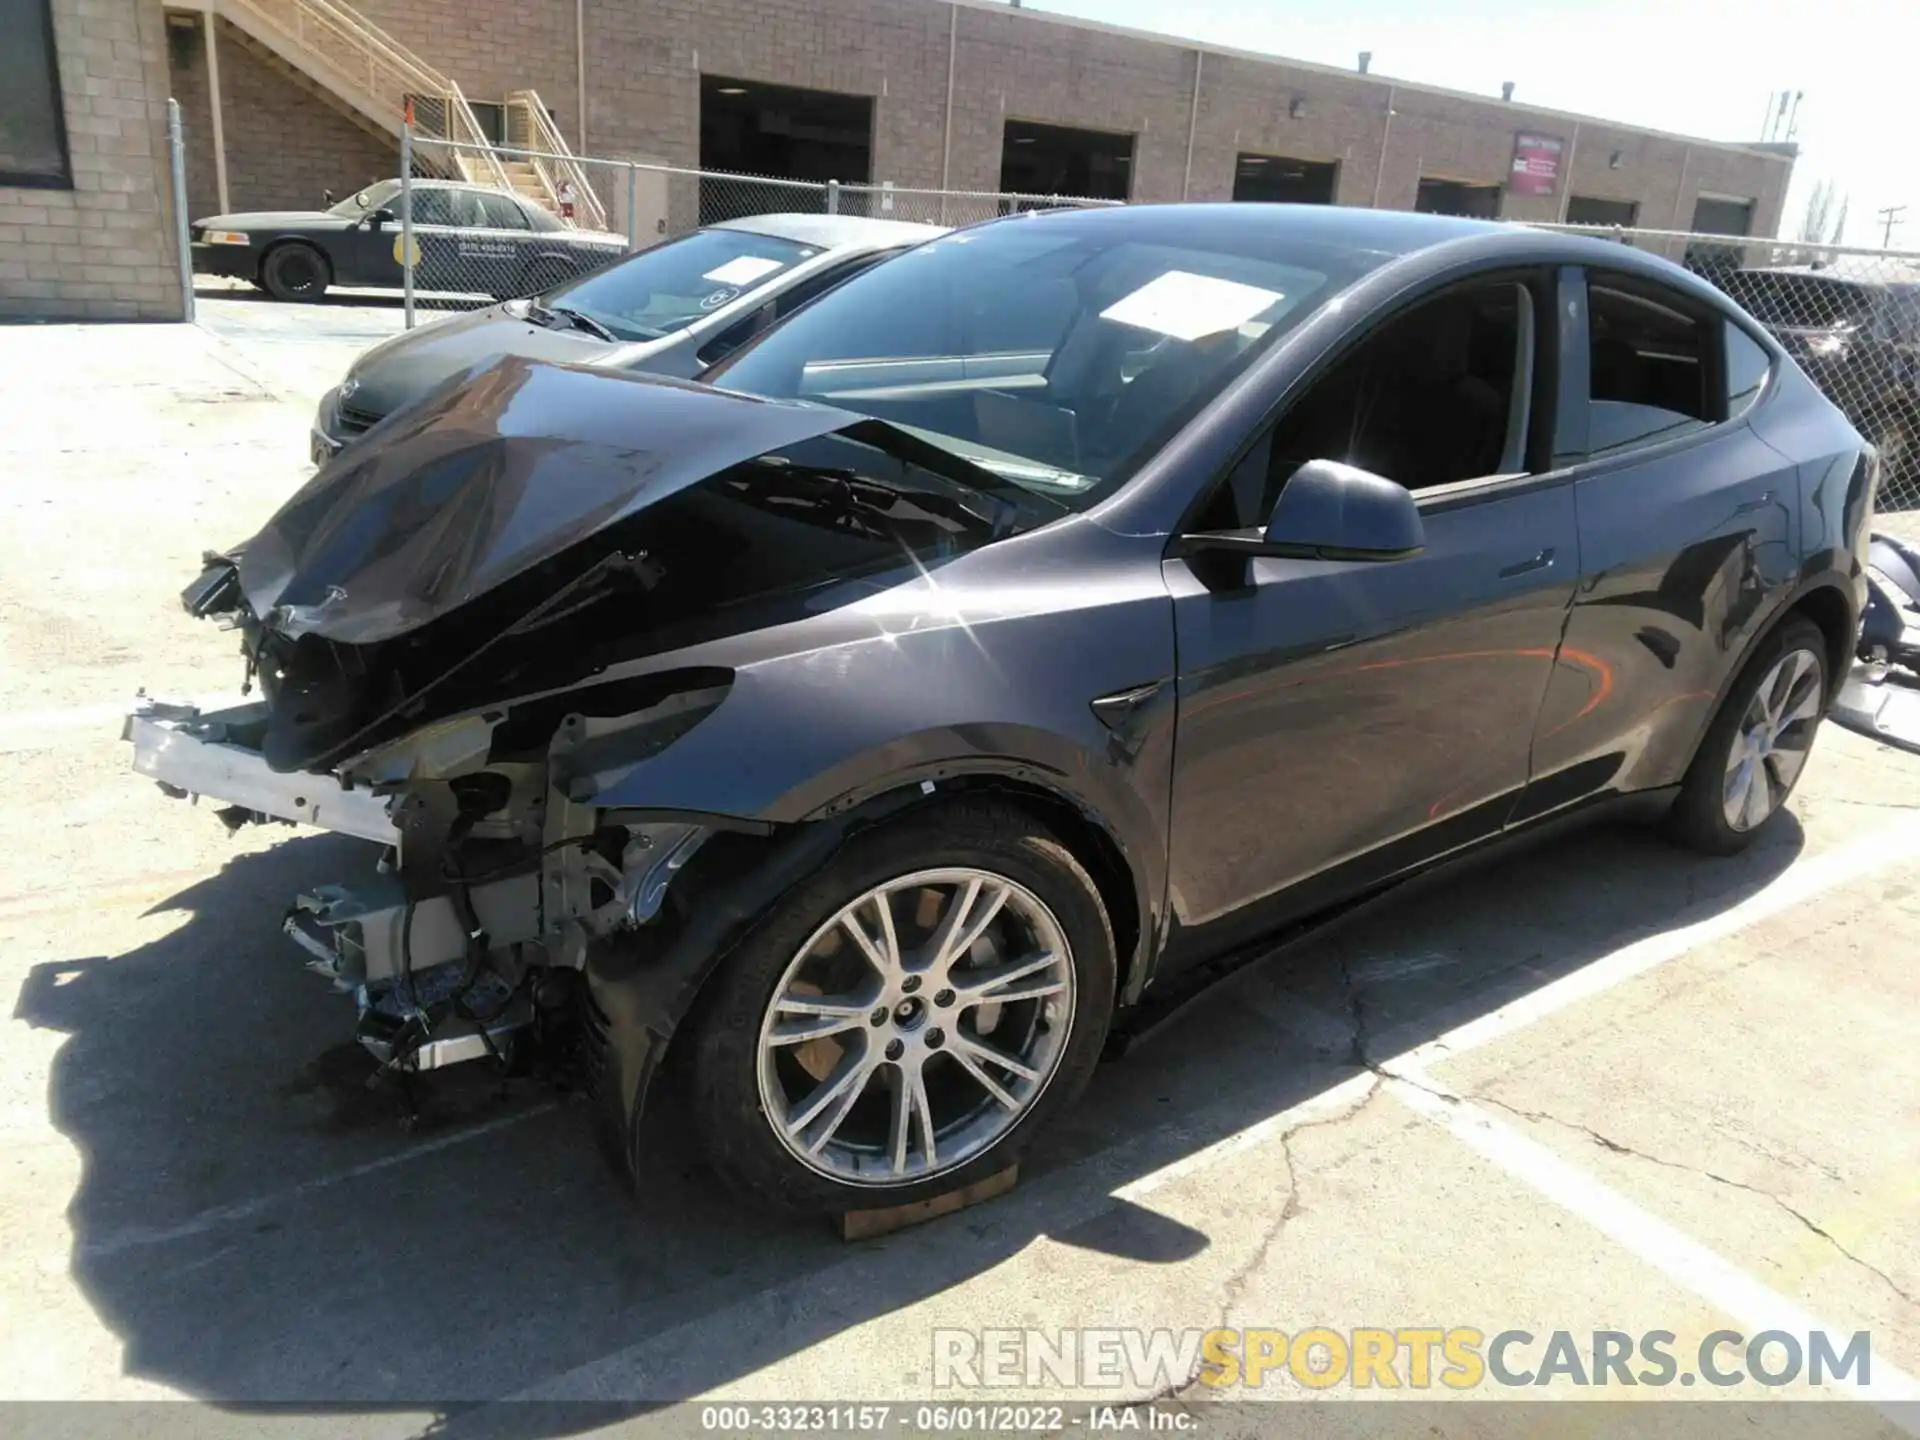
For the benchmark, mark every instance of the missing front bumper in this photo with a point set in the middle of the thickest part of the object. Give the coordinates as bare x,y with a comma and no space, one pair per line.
210,750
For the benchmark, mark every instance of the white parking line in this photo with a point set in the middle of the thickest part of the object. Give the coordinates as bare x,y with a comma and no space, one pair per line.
1679,1257
1858,858
1877,850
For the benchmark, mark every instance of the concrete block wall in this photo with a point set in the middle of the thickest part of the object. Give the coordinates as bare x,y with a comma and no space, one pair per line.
103,249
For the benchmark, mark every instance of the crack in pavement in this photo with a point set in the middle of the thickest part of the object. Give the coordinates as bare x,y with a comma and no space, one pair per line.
1234,1286
1607,1142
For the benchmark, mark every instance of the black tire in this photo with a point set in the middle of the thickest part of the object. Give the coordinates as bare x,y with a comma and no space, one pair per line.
296,273
721,1088
1698,819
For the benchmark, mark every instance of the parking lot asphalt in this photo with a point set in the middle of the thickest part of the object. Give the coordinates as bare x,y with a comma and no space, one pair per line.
1595,1085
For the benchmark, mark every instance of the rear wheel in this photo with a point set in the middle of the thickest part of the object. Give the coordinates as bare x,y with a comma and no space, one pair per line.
905,1022
295,273
1758,744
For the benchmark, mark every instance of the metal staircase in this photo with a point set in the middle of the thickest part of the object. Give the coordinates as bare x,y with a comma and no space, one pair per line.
374,77
541,178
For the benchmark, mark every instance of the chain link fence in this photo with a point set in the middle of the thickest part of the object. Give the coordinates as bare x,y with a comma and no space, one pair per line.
463,239
1849,316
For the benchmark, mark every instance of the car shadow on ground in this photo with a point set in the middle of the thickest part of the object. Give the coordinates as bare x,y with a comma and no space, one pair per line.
257,1226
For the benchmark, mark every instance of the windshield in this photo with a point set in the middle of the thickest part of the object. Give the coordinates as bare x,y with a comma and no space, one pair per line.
1059,351
670,286
387,192
1805,302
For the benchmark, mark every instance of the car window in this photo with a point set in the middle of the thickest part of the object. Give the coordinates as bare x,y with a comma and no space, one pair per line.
1059,351
465,205
669,286
1434,396
782,305
1647,362
818,284
1747,369
432,206
501,212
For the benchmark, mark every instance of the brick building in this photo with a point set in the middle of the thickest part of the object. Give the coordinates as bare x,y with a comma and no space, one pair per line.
942,91
86,230
955,94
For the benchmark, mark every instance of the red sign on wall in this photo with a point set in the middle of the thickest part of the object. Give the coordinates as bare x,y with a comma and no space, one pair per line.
1536,164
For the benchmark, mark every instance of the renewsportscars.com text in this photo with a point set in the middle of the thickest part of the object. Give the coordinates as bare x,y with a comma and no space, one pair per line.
1401,1357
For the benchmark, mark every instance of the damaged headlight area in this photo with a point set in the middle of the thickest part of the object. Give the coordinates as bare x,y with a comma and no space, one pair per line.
496,872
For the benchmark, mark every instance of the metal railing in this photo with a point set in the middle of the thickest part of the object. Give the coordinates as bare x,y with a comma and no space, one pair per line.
567,190
365,66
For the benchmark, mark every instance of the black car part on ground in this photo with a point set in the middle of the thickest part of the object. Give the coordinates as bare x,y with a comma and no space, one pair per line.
1881,697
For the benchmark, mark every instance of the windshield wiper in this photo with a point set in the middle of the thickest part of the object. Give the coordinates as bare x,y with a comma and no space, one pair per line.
1008,496
574,319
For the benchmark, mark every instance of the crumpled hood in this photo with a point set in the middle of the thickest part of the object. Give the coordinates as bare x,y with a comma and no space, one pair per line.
406,367
508,466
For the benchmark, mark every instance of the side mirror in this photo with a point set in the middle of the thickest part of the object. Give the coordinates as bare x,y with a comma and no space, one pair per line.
1327,511
1330,511
379,217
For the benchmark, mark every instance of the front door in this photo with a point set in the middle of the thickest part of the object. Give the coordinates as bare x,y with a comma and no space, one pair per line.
1341,720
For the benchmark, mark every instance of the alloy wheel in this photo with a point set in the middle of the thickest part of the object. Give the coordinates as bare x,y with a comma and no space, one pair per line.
1770,746
917,1027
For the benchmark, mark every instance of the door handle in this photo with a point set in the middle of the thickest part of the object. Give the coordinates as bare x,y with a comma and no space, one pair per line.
1760,502
1537,562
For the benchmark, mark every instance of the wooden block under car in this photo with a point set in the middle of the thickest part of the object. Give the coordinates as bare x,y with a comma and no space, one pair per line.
866,1224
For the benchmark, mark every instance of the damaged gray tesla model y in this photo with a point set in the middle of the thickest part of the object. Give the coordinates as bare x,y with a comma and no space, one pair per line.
1066,605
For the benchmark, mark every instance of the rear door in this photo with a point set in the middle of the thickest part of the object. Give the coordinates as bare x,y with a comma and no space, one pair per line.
1340,721
1687,534
508,239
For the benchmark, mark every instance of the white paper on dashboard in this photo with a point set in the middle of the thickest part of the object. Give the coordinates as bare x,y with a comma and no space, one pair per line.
743,270
1188,306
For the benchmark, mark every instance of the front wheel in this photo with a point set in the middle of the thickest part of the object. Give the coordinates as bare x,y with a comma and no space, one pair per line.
296,273
1758,744
905,1022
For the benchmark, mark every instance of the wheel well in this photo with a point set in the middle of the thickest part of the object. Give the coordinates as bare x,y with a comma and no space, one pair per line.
260,271
1828,608
730,857
1090,844
735,875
